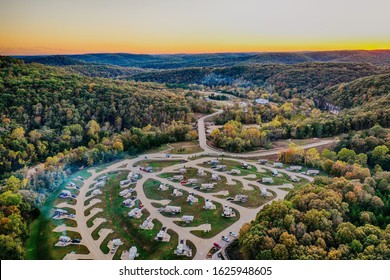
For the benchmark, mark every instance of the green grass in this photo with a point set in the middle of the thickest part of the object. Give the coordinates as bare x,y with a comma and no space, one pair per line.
128,230
40,244
190,147
150,189
201,216
157,164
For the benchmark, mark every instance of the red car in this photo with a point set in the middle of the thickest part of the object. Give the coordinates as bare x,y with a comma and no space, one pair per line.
217,245
141,206
183,182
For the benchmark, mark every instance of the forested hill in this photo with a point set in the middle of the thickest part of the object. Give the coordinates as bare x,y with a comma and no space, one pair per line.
48,110
299,78
359,92
377,57
35,95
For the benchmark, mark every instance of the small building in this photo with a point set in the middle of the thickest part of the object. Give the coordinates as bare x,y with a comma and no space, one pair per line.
187,219
182,170
135,213
178,177
268,180
294,168
133,253
182,249
191,198
312,172
201,172
278,164
275,172
294,178
96,192
65,194
241,198
235,171
65,239
177,192
171,209
209,205
261,101
163,187
228,212
263,161
207,187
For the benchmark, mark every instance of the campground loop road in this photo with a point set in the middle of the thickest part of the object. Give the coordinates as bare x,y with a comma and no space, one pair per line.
193,160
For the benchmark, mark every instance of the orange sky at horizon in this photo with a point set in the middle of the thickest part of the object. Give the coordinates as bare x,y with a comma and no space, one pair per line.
172,26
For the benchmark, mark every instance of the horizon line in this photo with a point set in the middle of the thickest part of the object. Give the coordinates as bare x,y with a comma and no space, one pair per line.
198,53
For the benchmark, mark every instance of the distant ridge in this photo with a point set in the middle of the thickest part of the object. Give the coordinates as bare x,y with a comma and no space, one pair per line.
172,61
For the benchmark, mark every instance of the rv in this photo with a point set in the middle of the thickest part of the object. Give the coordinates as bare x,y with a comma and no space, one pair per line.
312,172
267,180
187,219
294,168
294,178
228,212
172,209
178,177
235,171
207,186
241,198
278,164
209,205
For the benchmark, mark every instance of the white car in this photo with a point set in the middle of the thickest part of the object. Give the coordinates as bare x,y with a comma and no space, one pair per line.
225,238
233,234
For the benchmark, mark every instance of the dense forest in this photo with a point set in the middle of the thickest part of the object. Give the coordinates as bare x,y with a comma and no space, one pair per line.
376,57
47,110
329,219
299,78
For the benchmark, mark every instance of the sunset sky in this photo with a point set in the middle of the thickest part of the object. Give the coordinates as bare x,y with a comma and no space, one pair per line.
191,26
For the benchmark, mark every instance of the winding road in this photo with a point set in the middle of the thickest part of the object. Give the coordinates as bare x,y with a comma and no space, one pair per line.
202,245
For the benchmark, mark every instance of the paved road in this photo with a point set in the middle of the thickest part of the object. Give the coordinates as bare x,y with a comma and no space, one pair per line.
202,245
213,151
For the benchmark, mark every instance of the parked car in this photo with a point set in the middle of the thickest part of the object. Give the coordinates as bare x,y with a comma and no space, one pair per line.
72,215
229,198
217,245
76,240
233,234
196,188
225,238
141,206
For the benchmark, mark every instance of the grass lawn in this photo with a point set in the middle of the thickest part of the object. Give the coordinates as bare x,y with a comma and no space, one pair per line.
157,164
189,147
40,244
128,229
201,216
150,189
